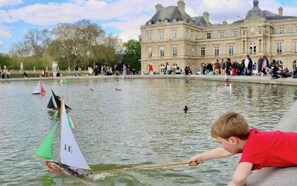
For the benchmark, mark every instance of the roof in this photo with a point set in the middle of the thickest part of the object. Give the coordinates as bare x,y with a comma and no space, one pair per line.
172,13
256,13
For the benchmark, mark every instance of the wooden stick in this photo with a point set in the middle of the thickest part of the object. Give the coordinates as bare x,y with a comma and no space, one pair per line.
144,167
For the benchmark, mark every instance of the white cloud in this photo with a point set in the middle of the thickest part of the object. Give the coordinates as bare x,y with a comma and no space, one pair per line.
52,13
124,15
10,2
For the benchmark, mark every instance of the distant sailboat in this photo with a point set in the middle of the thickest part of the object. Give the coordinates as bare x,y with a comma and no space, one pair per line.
55,102
39,89
63,81
71,161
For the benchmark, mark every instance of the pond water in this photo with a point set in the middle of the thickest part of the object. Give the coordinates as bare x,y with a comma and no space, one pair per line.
126,123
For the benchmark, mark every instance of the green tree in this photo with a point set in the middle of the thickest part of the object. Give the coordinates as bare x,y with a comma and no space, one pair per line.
80,44
132,54
6,60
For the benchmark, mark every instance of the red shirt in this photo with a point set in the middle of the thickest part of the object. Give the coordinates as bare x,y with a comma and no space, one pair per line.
270,149
151,68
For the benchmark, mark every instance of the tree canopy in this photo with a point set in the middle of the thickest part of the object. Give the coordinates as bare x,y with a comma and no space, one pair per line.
76,45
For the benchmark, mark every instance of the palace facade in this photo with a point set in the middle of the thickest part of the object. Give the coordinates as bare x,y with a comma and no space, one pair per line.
172,36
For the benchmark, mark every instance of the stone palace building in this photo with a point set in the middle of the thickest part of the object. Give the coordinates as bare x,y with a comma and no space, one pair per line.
172,36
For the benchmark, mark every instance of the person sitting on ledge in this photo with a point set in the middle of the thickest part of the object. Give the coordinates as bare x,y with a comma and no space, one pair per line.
274,71
258,149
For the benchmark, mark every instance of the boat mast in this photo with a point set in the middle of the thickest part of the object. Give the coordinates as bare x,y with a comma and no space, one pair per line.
61,112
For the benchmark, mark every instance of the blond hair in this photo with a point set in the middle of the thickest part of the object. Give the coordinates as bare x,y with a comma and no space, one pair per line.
230,124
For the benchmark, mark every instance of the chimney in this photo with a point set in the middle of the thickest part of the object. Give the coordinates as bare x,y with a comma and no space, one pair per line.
280,11
206,16
158,7
181,7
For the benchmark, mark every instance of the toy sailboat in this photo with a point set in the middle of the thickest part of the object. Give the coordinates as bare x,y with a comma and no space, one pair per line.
63,81
39,89
55,102
71,161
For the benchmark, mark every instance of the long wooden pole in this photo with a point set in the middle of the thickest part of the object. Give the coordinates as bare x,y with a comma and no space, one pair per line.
144,167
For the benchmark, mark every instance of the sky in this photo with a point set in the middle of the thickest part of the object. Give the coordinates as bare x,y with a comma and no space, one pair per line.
117,17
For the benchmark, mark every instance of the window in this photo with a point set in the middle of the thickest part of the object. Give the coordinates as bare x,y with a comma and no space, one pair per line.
281,29
208,35
202,51
295,47
279,48
216,50
173,33
231,50
149,36
192,51
221,34
294,64
174,50
149,52
235,33
253,48
161,51
162,67
161,35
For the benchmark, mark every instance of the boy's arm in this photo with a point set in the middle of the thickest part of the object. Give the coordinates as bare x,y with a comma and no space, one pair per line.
241,174
211,154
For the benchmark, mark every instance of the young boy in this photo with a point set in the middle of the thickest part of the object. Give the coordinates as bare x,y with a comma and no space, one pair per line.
259,149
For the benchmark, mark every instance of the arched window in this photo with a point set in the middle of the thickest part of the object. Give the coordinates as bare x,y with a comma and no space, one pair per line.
294,64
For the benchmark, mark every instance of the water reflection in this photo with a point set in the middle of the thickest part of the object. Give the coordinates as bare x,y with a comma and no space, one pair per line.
144,123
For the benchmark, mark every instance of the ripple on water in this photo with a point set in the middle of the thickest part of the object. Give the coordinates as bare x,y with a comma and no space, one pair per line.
144,123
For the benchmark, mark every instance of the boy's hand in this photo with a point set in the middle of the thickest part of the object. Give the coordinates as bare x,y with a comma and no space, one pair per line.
194,162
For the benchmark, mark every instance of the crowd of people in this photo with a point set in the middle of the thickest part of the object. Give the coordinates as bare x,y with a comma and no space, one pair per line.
248,67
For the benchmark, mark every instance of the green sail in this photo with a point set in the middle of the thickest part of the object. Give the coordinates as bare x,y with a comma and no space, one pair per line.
45,150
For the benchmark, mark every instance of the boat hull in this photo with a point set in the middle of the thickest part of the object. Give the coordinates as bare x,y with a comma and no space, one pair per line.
64,169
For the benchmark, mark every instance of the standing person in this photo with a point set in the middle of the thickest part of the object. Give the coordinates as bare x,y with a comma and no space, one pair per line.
264,66
258,149
228,66
217,67
223,65
260,62
167,68
151,71
246,64
124,71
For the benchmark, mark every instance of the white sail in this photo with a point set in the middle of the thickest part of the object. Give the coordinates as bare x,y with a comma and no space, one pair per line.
70,153
37,89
